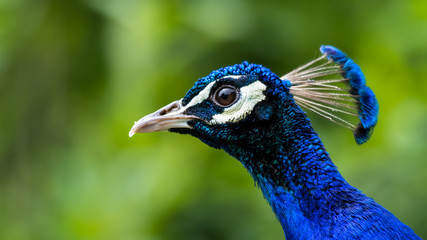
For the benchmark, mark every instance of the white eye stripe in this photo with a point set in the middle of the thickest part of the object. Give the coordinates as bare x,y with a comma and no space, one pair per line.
234,76
250,95
204,94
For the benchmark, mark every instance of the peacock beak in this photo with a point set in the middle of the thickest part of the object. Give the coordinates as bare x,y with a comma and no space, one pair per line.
167,117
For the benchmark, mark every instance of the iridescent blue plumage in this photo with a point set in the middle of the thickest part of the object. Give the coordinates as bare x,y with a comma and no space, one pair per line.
367,102
251,113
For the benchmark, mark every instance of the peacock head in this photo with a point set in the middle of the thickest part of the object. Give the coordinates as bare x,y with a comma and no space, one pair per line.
234,104
237,104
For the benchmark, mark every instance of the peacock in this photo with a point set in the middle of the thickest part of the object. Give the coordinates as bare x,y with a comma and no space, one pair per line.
259,118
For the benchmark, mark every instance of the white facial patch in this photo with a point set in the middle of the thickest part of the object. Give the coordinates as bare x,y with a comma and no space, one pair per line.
250,95
204,94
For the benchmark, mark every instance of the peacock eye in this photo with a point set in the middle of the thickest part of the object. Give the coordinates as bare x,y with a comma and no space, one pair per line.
225,96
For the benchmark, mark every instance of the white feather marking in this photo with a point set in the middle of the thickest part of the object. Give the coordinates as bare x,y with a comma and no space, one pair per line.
234,76
250,95
202,96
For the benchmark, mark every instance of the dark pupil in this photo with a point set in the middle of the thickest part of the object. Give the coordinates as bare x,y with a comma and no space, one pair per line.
226,96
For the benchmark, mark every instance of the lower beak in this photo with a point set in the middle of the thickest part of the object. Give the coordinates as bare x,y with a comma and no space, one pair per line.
170,116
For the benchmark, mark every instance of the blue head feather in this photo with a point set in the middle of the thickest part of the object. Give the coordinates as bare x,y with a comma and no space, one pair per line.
286,158
288,161
367,102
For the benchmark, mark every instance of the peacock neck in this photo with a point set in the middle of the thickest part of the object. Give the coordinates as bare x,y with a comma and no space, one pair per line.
304,200
295,174
304,188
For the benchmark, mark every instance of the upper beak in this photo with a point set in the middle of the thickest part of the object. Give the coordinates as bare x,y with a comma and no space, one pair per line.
170,116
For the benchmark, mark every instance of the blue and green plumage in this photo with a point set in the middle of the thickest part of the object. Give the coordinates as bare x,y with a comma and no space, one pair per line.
268,132
368,105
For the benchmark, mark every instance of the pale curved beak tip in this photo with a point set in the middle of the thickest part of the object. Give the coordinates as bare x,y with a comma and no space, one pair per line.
170,116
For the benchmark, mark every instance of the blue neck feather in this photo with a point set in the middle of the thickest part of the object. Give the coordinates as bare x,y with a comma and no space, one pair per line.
307,193
289,163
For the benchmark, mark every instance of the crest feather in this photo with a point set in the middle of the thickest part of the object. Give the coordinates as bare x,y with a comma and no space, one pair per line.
334,87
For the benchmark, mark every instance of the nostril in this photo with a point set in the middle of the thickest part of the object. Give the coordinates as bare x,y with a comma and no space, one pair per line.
163,112
173,107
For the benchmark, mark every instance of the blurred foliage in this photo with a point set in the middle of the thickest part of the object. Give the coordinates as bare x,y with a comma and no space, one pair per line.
74,75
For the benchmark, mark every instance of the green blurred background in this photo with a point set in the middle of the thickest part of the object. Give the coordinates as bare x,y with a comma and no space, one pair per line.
74,75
